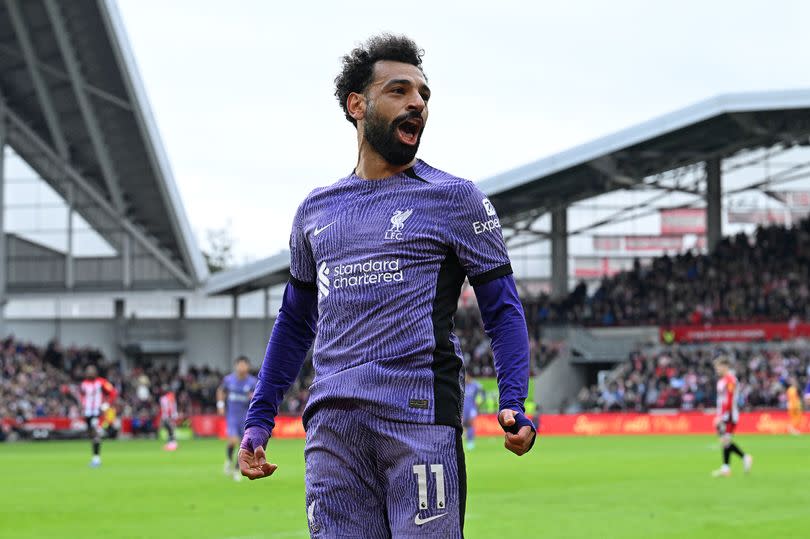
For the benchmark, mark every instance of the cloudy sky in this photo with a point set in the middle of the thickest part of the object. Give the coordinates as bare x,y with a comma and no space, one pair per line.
242,90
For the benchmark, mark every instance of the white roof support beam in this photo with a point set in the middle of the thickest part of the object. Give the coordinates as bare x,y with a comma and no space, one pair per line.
16,124
31,61
58,74
607,166
86,107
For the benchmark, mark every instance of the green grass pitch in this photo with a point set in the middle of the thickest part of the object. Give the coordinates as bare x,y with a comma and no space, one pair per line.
607,487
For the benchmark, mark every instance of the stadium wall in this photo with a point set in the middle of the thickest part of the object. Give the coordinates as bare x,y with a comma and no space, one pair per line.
96,333
608,424
614,424
558,382
207,341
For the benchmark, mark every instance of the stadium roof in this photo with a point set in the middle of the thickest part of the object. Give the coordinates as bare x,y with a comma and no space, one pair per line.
263,273
716,128
76,108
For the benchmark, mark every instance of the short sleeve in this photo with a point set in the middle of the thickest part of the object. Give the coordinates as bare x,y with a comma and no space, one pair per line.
302,263
475,235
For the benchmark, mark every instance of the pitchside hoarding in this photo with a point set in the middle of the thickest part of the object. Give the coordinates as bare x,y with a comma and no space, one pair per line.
770,422
766,331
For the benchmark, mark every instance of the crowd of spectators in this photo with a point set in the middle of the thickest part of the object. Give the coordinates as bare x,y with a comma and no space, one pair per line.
475,345
684,378
761,278
40,382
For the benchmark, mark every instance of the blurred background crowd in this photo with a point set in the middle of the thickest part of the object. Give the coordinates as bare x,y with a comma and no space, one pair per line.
765,277
762,277
683,378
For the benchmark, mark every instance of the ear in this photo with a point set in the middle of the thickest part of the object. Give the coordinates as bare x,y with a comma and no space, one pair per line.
356,105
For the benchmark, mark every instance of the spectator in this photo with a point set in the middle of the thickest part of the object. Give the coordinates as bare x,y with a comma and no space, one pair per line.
764,278
683,377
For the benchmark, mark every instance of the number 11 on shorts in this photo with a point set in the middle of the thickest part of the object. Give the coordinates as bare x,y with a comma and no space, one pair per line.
420,470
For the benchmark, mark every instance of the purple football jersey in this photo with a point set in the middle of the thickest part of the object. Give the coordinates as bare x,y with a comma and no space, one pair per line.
471,392
388,258
239,392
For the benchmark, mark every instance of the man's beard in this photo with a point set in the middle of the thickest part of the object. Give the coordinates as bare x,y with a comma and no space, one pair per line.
383,137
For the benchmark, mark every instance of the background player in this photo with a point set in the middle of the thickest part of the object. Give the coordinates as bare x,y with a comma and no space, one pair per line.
168,416
378,260
727,415
807,393
794,407
472,389
96,394
233,398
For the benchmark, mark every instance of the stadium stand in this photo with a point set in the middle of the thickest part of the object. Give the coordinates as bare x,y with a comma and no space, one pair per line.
763,278
74,110
39,382
683,378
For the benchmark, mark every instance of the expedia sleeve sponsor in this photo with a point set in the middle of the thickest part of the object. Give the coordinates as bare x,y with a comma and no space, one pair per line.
475,231
486,226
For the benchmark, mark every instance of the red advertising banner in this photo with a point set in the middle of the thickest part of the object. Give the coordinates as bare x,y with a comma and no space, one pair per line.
589,268
775,422
683,221
638,243
770,422
757,217
208,425
58,426
794,198
766,331
653,243
214,425
607,243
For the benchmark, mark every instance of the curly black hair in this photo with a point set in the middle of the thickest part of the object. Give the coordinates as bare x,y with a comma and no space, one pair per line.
358,65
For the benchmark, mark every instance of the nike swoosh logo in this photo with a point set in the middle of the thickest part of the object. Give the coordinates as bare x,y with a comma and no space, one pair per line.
419,521
319,230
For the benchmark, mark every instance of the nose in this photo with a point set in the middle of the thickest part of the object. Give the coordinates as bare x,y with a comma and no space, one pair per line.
416,103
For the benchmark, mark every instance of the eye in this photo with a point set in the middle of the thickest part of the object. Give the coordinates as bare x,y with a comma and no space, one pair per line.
425,97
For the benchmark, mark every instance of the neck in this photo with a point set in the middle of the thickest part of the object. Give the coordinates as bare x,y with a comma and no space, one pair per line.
373,166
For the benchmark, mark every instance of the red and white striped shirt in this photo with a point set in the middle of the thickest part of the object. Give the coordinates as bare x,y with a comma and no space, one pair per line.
168,406
727,398
92,393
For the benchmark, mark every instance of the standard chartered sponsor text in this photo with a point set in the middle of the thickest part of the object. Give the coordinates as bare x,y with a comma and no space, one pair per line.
366,273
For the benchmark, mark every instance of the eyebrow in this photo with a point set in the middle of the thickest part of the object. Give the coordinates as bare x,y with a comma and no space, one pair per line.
407,82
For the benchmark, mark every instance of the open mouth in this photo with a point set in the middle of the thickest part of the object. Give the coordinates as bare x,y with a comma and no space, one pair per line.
408,131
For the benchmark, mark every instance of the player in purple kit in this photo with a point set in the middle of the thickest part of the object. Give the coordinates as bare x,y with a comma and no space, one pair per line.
472,390
233,398
378,260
